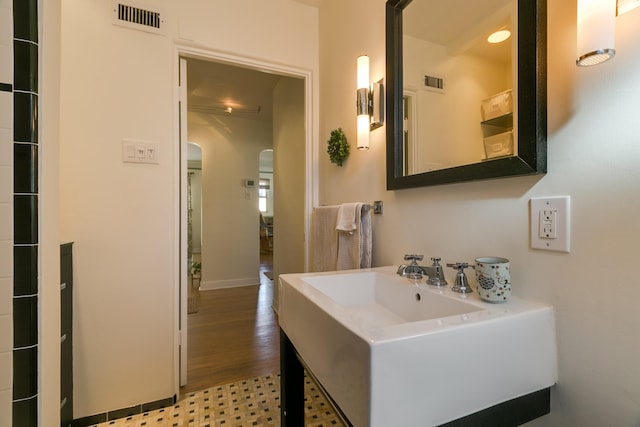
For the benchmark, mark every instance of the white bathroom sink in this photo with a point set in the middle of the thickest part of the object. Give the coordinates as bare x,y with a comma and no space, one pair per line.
390,353
381,302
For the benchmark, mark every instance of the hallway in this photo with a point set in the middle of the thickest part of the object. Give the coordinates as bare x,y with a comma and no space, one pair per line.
234,335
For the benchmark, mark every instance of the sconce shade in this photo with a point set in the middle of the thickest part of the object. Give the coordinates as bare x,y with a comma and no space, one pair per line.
362,103
363,132
363,72
596,31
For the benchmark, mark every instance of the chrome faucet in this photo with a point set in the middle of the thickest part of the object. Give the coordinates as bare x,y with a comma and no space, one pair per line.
435,273
416,272
413,270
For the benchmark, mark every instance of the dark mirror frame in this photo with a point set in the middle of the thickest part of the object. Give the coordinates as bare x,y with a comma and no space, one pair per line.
531,157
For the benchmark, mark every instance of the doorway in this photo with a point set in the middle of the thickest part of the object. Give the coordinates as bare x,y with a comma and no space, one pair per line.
223,127
266,191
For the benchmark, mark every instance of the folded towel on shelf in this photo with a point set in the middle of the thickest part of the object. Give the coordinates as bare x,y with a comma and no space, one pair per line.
324,238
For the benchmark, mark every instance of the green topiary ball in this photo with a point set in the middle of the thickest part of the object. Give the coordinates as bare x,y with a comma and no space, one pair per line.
338,147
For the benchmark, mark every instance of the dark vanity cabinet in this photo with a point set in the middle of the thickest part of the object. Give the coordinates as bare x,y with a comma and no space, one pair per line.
66,334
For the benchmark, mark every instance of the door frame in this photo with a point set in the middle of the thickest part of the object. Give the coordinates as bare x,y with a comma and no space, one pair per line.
311,172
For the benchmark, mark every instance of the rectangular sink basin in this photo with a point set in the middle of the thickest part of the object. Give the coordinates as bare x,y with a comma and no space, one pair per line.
381,302
390,353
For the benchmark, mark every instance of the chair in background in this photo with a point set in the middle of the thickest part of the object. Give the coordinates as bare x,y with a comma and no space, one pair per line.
266,235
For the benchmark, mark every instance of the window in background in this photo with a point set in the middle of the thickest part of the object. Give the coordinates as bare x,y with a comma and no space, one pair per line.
264,193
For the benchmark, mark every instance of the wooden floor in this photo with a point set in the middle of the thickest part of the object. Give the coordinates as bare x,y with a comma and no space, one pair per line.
234,335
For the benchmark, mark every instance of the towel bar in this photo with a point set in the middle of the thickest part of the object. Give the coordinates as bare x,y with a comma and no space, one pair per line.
377,207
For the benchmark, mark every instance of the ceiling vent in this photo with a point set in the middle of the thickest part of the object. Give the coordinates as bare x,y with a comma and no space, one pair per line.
133,14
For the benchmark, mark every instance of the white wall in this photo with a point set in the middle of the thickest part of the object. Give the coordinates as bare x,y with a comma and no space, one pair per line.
119,83
49,116
119,215
289,151
593,157
231,150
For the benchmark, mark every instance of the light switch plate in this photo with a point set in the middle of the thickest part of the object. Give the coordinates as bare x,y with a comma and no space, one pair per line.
550,223
135,151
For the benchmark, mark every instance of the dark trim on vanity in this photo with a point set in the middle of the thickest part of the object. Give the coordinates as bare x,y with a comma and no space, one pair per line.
291,385
512,413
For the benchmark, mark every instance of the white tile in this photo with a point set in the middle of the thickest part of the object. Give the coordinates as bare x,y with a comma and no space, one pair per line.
6,147
6,182
5,407
6,258
6,333
6,296
6,370
6,220
6,110
6,26
6,64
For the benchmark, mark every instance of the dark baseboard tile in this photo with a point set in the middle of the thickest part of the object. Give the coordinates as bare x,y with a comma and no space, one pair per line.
90,421
124,412
158,404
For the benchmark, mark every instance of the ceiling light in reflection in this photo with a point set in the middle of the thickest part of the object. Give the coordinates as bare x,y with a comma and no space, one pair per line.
499,36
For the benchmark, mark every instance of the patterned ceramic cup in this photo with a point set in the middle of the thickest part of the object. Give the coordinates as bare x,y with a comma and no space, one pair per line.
494,280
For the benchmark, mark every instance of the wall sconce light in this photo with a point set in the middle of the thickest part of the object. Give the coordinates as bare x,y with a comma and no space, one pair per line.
369,103
596,31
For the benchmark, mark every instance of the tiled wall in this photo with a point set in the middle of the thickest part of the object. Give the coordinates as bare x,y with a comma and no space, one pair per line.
6,211
18,212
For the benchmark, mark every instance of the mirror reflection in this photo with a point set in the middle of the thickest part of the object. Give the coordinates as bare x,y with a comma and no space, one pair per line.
458,85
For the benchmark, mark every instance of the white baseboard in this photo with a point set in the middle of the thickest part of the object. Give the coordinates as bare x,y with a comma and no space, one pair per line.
231,283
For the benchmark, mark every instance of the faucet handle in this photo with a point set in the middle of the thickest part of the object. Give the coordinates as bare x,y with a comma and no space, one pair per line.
413,271
413,258
436,275
461,283
459,265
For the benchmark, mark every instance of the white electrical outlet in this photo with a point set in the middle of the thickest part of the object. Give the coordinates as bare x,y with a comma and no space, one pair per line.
550,223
